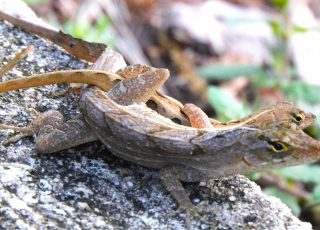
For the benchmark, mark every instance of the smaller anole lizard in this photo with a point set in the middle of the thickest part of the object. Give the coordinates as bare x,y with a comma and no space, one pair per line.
284,112
267,139
164,105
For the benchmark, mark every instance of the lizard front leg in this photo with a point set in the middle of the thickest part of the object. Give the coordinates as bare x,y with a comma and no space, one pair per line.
171,177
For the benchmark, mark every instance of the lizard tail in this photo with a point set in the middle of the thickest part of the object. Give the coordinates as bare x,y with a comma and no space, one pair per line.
101,79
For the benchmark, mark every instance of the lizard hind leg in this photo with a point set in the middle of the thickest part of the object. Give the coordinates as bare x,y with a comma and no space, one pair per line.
138,89
52,133
50,118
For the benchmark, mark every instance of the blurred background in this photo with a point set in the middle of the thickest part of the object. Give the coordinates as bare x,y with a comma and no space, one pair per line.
229,57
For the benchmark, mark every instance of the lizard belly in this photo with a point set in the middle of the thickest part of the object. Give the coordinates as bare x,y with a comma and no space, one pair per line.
138,134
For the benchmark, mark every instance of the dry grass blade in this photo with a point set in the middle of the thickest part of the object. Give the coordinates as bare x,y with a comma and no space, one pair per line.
12,63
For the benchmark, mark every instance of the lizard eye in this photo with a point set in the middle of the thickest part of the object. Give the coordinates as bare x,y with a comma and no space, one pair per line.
298,118
278,147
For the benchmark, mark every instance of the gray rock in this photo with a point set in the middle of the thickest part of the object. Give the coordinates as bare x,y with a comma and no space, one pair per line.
88,188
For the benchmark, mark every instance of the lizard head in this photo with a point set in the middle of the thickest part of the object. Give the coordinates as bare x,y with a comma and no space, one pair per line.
284,112
298,117
284,147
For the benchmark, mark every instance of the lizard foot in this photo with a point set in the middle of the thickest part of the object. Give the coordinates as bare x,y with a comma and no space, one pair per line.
193,212
24,132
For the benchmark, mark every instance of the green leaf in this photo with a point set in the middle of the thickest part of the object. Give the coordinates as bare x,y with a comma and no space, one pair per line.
277,28
263,80
317,128
34,2
224,72
226,105
254,175
299,29
300,90
289,200
101,32
316,193
305,173
281,4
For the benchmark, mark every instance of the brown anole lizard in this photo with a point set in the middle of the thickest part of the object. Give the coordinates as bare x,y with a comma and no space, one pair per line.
270,138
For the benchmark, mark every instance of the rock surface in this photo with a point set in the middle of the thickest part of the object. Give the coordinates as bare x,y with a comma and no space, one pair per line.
88,188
